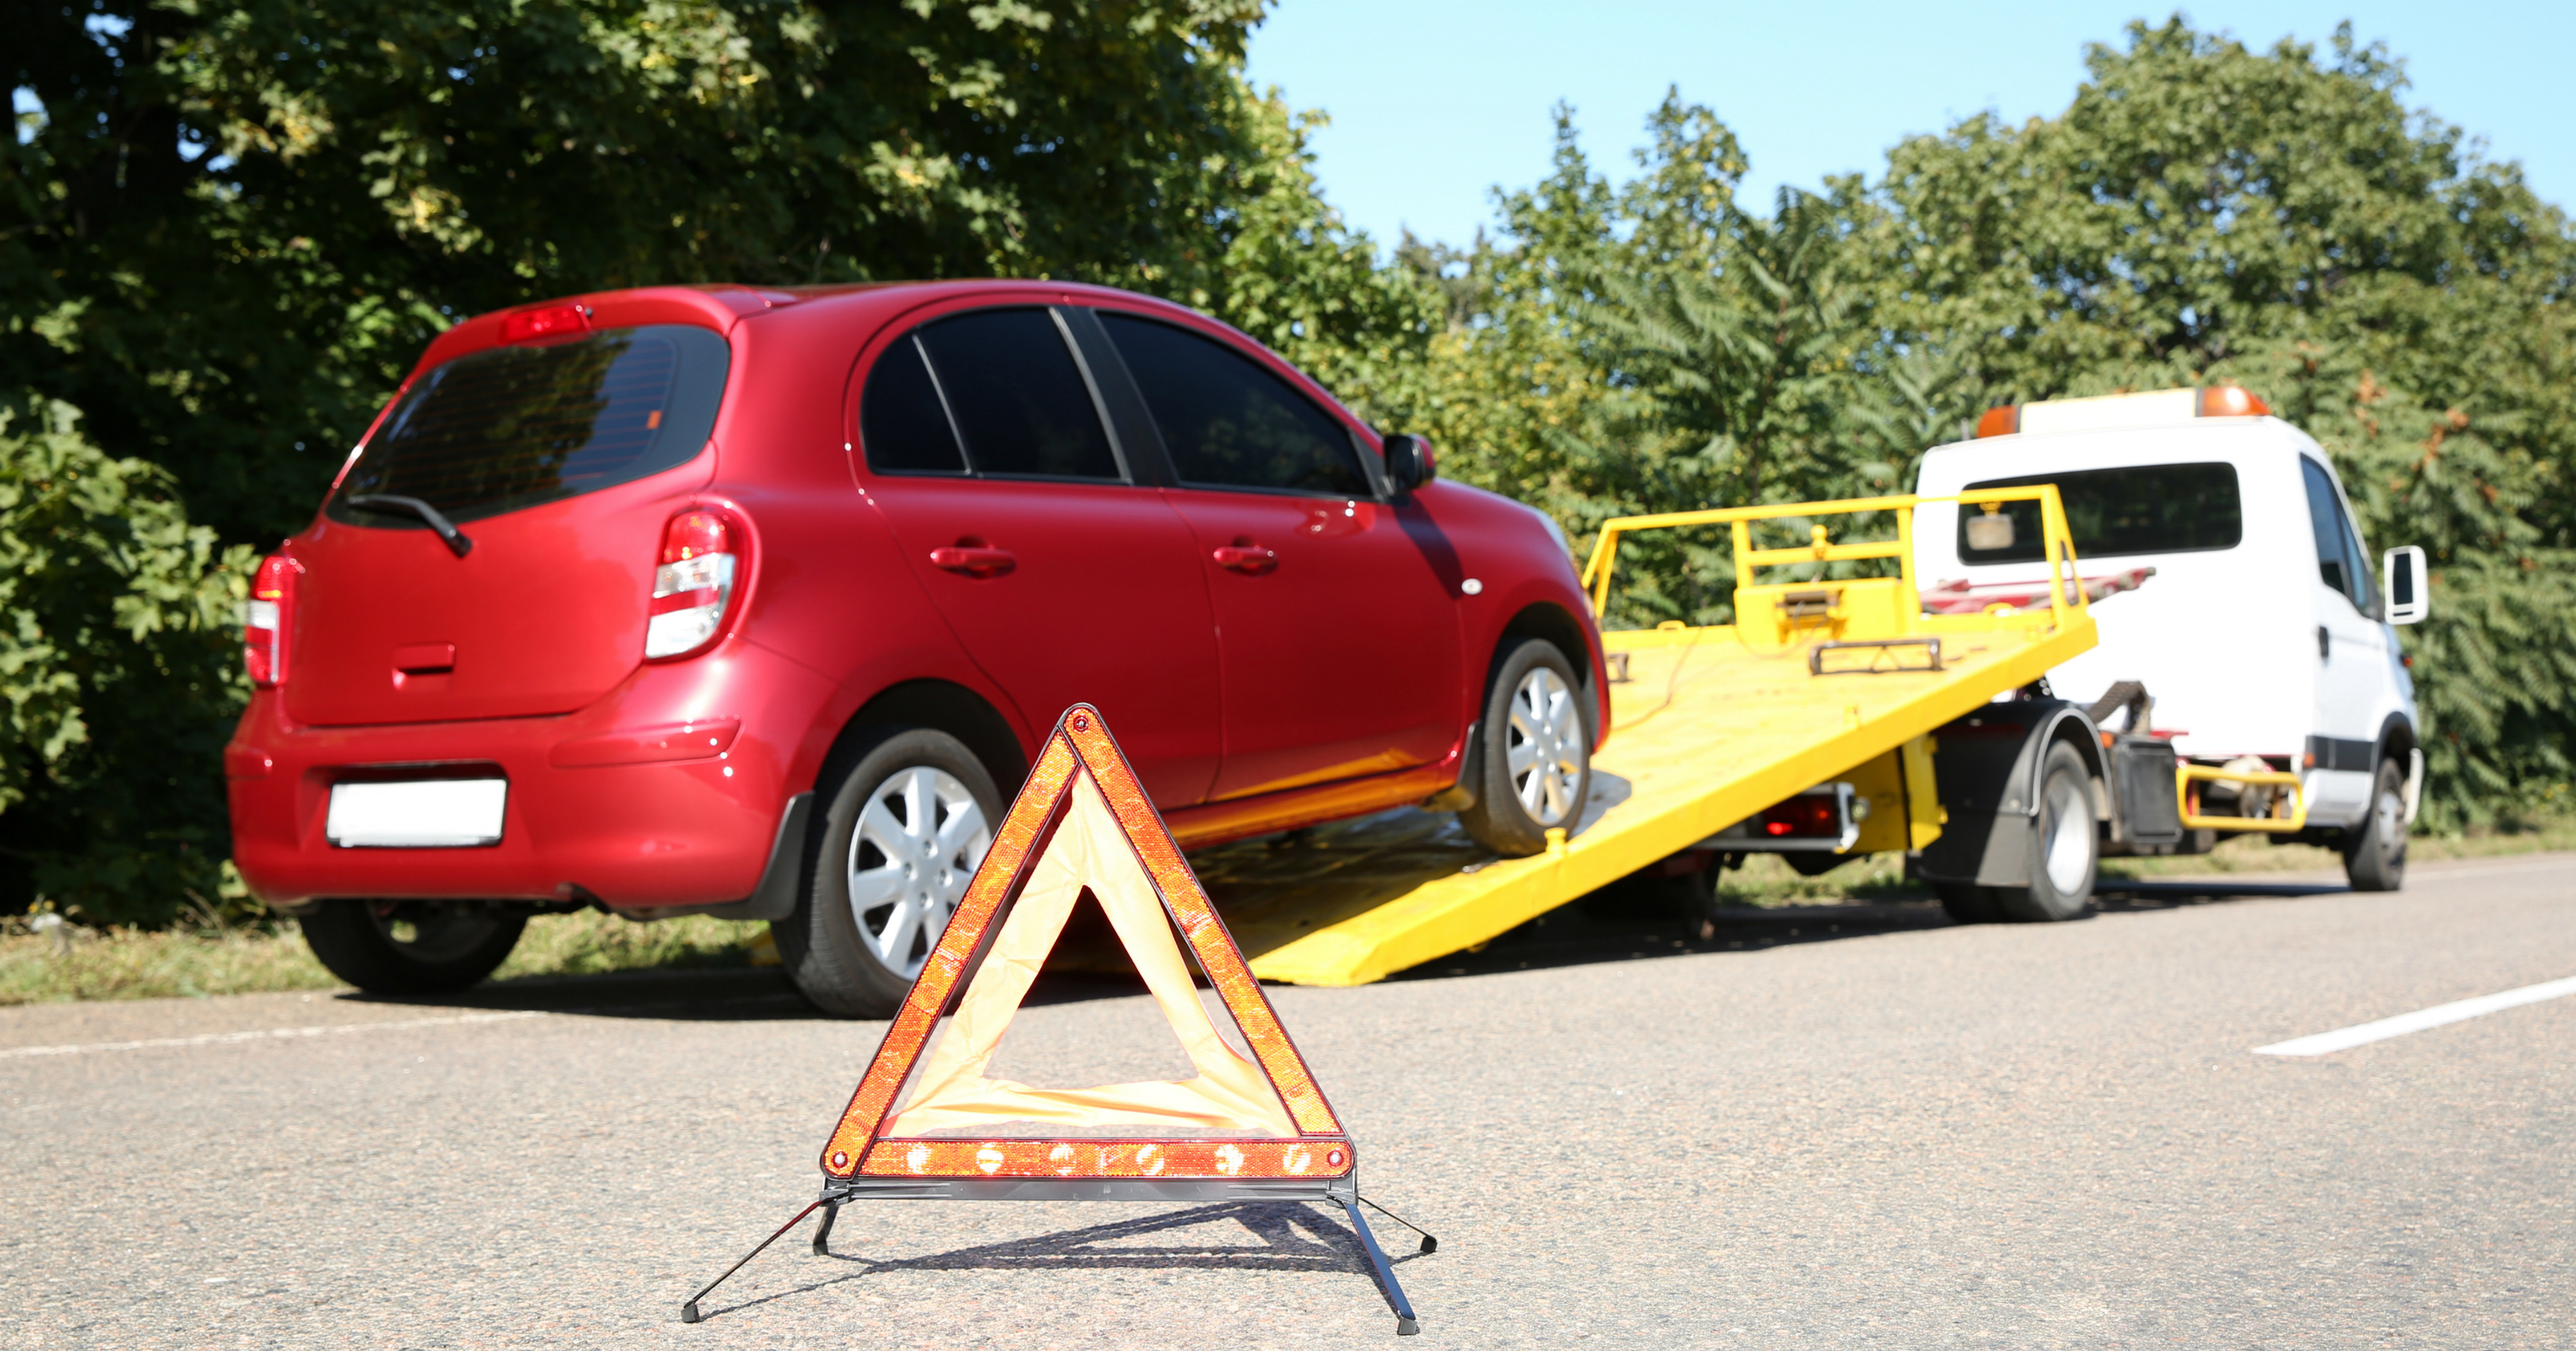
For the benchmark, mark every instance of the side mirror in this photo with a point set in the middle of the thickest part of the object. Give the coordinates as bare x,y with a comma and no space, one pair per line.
2403,594
1408,462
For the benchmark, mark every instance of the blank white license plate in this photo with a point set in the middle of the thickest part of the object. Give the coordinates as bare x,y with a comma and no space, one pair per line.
428,814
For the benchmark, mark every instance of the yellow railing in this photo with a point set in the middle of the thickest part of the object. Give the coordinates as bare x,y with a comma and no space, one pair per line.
2066,588
2188,800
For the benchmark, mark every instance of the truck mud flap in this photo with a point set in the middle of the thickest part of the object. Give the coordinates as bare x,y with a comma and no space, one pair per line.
1987,766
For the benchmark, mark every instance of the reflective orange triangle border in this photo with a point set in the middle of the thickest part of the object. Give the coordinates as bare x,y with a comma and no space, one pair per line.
1081,743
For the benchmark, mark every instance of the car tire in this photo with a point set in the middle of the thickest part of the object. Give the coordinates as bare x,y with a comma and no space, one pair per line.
2374,855
410,947
1534,754
1967,903
2065,845
879,885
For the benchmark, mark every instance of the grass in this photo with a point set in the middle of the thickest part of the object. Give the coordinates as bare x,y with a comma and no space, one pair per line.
1764,881
70,964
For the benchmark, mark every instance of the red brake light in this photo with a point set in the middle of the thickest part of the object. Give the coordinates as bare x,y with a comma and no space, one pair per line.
692,534
269,620
550,321
693,586
2000,421
1806,816
2231,401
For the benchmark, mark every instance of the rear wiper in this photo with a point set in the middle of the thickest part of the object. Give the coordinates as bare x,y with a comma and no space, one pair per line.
412,506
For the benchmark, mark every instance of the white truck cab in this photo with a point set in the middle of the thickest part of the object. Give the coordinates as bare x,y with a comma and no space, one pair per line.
2260,633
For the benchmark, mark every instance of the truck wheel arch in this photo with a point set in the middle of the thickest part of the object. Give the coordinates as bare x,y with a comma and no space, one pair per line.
2073,728
2396,737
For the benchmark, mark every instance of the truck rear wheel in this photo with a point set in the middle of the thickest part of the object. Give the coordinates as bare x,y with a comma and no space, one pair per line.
410,947
2065,847
1535,754
902,831
2374,853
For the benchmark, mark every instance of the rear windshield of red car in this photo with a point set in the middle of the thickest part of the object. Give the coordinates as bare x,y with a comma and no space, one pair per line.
511,427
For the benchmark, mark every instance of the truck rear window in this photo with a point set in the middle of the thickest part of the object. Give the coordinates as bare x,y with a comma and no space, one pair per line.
2139,509
511,427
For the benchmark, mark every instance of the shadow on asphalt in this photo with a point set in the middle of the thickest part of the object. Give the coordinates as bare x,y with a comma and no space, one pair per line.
1621,923
1285,1237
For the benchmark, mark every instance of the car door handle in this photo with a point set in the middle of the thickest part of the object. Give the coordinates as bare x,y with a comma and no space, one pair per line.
973,560
1247,557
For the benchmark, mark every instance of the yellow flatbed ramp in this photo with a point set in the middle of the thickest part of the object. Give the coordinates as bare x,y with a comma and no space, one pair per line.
1709,727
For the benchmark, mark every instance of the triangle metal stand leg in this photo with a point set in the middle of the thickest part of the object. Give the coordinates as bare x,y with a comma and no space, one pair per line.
689,1311
823,1231
1406,1324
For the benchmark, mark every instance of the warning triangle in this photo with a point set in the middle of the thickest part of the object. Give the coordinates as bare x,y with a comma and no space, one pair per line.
1083,822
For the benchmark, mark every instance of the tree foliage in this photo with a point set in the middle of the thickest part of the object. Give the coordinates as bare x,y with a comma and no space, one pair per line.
120,668
235,223
2200,214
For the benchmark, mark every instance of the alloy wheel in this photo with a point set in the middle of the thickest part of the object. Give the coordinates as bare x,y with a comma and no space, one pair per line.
1545,753
918,842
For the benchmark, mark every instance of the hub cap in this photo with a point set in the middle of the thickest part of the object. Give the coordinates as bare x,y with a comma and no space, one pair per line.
916,847
2070,837
1544,751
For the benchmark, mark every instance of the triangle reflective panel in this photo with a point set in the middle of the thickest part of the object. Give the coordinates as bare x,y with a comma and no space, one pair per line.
1244,1128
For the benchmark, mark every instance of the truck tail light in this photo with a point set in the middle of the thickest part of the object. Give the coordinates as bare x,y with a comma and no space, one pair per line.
1808,816
269,620
693,585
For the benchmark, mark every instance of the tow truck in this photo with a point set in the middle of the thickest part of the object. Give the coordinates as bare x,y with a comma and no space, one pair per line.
1839,714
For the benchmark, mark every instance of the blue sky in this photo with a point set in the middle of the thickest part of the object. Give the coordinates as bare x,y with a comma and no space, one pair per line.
1434,102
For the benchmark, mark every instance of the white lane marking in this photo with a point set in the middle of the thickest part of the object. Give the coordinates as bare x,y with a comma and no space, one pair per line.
265,1034
2361,1034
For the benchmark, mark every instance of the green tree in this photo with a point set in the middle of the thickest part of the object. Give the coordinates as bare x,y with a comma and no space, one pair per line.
2199,214
121,670
2205,214
234,224
240,219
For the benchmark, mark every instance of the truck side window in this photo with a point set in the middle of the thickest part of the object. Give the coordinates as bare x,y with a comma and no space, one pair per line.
2134,509
2339,560
1227,422
1020,404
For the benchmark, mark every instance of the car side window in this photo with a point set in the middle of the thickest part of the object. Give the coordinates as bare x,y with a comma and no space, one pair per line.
1019,403
2339,560
903,426
1228,423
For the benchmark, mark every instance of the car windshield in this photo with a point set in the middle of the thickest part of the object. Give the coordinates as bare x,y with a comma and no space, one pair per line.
511,427
2136,509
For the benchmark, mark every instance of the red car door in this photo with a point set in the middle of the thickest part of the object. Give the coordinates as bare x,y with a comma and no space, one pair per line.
1065,581
1339,643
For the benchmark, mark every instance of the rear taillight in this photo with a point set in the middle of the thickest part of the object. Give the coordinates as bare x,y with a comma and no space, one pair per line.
269,619
693,585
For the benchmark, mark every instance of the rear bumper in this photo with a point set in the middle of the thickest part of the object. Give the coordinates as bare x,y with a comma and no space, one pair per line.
666,792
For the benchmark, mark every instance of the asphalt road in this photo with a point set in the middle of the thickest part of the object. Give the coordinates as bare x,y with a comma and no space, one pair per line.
1830,1127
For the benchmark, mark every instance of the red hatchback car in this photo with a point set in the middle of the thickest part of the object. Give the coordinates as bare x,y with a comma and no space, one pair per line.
756,603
